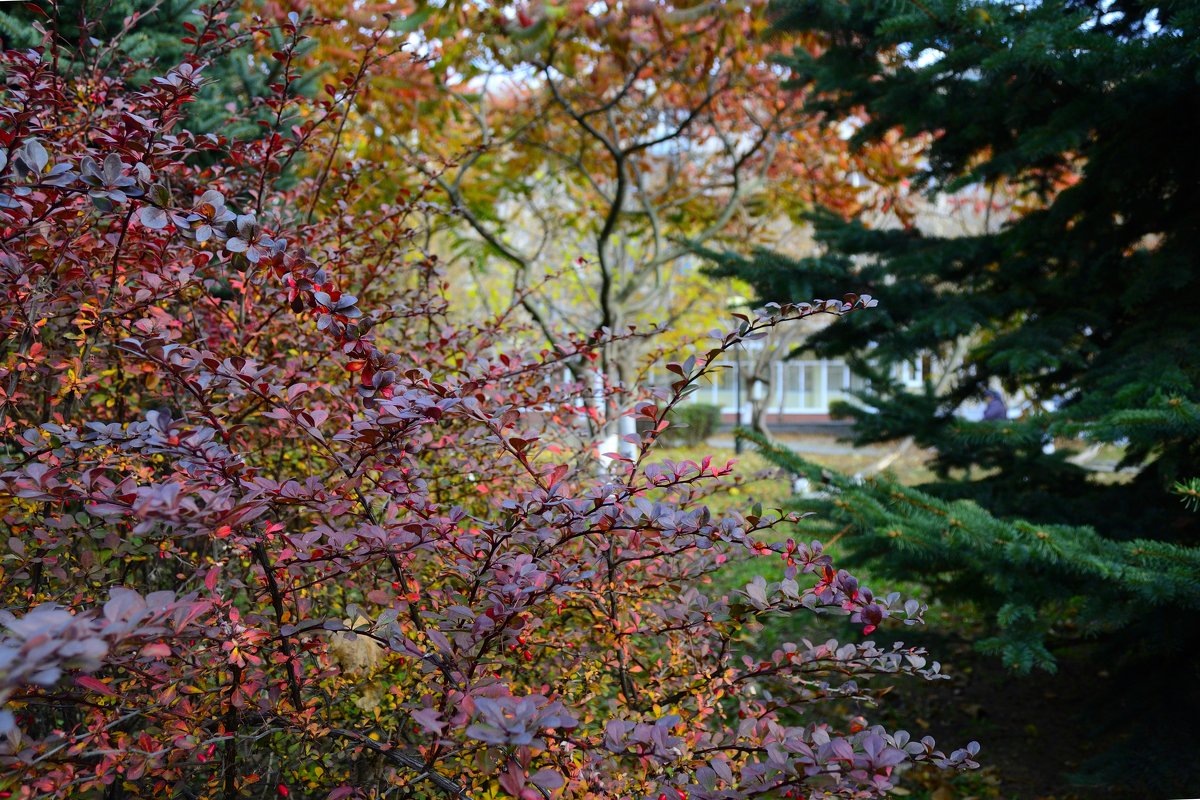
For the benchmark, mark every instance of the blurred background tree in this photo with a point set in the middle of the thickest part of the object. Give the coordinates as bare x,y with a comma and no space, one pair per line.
619,135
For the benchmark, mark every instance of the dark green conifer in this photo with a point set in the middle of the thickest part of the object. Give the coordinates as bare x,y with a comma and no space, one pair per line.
1088,304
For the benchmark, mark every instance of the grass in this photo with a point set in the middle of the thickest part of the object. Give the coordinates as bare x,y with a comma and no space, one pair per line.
1039,732
762,482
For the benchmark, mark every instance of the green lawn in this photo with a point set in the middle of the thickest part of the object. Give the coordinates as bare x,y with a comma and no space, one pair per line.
763,483
1031,733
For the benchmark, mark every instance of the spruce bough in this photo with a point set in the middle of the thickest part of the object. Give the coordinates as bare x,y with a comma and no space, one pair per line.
1083,302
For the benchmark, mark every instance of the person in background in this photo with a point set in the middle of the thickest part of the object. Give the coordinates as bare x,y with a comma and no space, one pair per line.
996,409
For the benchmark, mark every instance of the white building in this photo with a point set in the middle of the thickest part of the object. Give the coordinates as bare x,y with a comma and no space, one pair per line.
791,392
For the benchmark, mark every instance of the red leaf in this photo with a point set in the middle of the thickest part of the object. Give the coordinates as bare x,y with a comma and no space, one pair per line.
558,473
95,684
156,650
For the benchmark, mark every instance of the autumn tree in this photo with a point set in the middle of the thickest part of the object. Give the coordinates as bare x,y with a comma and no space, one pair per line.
640,129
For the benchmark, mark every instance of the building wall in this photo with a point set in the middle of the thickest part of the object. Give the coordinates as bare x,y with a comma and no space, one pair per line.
799,391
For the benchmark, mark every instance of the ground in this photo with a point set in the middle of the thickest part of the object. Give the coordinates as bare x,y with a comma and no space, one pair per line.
1044,737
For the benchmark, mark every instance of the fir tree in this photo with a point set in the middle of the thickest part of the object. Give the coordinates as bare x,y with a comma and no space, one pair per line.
1086,303
1058,581
1125,607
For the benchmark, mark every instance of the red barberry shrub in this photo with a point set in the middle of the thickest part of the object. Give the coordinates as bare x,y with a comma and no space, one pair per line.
279,521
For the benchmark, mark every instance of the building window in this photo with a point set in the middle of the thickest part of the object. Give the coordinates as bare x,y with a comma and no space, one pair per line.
910,373
725,381
795,387
837,381
806,385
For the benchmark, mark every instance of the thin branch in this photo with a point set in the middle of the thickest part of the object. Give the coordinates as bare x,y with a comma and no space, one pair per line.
406,760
